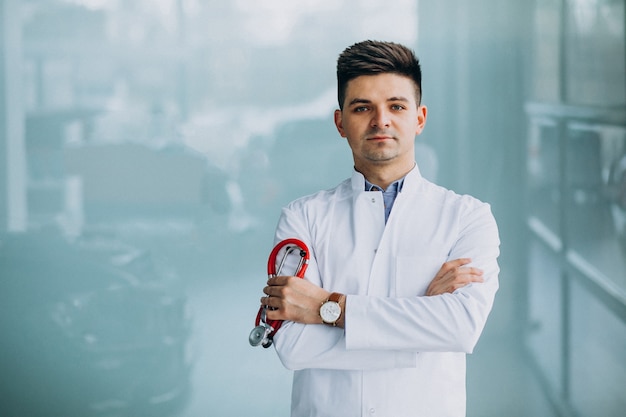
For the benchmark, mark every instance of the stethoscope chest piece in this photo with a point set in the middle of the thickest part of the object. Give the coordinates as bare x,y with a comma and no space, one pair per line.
262,333
257,335
260,336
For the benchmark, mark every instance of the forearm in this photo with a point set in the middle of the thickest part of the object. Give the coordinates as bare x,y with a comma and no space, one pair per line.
443,323
384,332
447,322
305,341
301,346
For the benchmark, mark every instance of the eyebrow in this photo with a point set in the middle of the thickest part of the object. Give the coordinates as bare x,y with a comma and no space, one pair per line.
366,101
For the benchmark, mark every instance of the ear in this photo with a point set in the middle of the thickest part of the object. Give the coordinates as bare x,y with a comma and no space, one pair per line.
422,112
339,123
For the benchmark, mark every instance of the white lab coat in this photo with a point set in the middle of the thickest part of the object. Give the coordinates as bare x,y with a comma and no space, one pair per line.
402,353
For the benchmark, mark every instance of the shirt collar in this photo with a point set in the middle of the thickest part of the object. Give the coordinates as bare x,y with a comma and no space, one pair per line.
411,180
395,186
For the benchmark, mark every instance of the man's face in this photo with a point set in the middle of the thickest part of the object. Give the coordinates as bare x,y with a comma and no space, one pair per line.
380,119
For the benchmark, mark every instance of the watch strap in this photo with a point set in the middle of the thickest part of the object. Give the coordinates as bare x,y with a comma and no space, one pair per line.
336,297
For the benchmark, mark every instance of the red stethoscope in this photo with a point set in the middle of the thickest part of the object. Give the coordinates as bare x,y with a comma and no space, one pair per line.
263,333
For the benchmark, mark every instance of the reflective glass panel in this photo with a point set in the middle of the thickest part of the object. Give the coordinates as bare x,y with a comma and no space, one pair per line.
596,209
598,348
596,53
545,311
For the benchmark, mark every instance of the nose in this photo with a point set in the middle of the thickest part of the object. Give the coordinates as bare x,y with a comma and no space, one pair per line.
380,118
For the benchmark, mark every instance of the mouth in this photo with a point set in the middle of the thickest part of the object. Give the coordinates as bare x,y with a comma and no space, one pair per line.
379,138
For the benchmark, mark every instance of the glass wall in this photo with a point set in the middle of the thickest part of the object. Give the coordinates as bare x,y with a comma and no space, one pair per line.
158,141
576,158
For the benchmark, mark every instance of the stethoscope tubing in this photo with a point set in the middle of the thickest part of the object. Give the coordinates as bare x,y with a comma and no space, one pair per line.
270,327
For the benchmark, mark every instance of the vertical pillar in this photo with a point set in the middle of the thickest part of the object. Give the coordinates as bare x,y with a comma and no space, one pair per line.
13,174
436,44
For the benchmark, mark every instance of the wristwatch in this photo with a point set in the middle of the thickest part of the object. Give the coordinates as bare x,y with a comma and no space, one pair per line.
330,311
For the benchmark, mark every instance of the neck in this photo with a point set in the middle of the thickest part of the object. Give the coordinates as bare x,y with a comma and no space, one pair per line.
383,176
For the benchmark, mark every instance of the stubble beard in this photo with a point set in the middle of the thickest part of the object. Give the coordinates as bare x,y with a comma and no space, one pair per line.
381,152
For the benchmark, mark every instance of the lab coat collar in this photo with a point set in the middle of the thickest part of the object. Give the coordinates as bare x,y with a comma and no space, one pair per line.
412,179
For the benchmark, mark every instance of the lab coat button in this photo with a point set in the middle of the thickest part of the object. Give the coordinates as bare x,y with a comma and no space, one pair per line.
372,410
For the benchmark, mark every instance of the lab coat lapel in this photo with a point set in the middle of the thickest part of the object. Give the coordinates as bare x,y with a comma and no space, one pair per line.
369,232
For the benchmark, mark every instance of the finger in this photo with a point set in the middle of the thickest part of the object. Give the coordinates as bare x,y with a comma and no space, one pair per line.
454,279
275,291
472,270
272,303
463,277
452,265
468,279
280,280
275,314
457,262
476,278
460,271
465,280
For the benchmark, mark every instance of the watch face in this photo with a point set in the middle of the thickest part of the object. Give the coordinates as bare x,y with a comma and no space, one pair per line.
330,311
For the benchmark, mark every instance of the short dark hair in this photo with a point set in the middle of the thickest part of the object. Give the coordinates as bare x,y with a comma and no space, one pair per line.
376,57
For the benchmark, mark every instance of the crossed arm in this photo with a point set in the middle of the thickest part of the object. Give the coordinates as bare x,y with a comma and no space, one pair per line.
298,300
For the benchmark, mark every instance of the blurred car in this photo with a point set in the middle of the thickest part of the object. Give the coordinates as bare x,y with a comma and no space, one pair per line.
89,328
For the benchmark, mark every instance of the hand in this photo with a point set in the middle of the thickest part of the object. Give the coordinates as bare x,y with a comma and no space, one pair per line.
294,299
452,276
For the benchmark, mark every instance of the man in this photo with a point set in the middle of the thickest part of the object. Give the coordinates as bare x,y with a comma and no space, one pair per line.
370,331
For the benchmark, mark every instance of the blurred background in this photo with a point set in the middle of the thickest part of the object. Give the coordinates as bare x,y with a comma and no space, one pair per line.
147,147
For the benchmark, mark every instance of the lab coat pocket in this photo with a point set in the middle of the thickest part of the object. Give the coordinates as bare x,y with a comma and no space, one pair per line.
414,273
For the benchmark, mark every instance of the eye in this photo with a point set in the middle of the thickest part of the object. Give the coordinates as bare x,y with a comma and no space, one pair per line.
360,109
397,107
